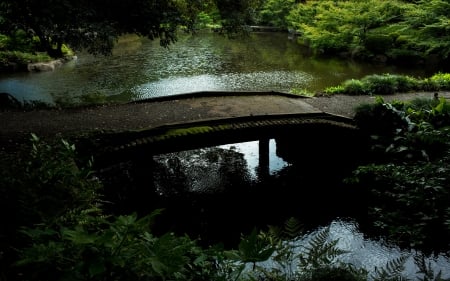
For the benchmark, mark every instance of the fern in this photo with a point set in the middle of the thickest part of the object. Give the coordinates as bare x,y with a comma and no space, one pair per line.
392,270
293,228
319,252
426,271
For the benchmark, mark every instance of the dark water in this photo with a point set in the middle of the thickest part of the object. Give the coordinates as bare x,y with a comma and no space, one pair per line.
217,193
140,68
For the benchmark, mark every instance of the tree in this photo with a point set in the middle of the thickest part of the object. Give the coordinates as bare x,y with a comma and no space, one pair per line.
274,12
91,24
432,20
95,25
337,26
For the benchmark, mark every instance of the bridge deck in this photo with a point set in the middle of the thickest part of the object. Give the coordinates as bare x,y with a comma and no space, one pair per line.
150,114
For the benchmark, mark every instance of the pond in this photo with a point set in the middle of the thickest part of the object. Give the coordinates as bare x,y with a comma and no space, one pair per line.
140,69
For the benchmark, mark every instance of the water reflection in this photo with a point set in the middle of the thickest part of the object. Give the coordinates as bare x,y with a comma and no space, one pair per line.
140,68
215,169
370,254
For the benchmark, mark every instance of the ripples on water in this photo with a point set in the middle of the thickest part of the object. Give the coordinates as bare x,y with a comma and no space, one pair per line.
140,68
370,254
263,81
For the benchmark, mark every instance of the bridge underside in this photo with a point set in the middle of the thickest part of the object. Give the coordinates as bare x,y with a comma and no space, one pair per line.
311,130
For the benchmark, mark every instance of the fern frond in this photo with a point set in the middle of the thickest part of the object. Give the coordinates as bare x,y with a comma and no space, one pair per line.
426,270
293,228
320,238
391,271
319,252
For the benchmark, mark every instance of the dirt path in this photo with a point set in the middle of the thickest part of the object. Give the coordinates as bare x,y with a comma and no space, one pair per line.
16,126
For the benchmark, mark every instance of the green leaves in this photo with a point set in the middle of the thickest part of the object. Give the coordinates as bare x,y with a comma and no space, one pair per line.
253,248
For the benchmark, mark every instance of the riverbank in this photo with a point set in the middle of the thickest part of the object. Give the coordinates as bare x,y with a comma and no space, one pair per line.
50,123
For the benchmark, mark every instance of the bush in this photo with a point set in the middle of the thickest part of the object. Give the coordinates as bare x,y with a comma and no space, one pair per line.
441,81
21,58
380,84
388,84
378,43
354,87
408,186
41,184
336,90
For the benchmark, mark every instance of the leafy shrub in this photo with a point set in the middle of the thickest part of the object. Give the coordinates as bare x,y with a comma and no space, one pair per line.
409,203
404,56
46,181
334,90
354,87
387,84
20,41
4,42
405,83
41,184
441,80
120,248
21,58
409,187
378,43
381,118
380,84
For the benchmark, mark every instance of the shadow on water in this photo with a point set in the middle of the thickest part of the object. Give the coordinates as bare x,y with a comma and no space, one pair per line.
217,192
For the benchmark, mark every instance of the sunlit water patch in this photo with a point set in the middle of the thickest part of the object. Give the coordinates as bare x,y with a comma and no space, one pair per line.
263,81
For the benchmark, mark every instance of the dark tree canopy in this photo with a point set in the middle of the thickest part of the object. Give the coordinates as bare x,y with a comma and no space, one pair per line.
96,24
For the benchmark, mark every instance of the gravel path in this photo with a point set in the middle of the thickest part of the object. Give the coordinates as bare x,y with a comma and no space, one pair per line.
16,126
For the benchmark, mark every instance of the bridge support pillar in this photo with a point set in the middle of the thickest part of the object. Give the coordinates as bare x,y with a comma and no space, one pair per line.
263,165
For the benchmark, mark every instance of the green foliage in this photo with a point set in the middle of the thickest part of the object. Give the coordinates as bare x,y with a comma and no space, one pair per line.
274,12
336,274
334,90
441,81
331,26
252,248
42,184
378,43
319,253
46,181
399,30
431,19
388,84
21,58
353,87
205,20
118,248
57,205
426,271
20,41
302,92
4,42
380,84
95,26
392,271
409,189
